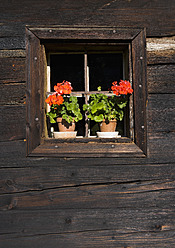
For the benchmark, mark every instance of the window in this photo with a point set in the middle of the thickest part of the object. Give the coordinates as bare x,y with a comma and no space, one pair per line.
87,57
88,66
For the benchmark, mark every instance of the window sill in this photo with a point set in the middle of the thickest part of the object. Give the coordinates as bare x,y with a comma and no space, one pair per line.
88,147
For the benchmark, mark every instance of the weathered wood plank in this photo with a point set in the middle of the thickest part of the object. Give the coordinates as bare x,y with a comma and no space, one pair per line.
27,223
12,93
161,57
12,68
13,42
162,146
126,195
161,50
12,30
81,33
13,154
161,113
92,12
138,47
34,91
91,149
72,173
161,129
12,122
161,78
159,26
17,53
96,239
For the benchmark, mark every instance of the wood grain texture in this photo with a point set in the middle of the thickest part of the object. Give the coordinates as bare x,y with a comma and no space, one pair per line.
161,113
162,145
13,155
37,175
30,223
16,53
87,202
91,149
140,90
161,50
161,78
96,239
12,68
12,123
34,91
91,12
136,195
12,42
12,93
83,33
154,26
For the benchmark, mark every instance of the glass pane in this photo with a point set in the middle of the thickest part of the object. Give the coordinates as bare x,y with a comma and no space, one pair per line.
69,67
104,69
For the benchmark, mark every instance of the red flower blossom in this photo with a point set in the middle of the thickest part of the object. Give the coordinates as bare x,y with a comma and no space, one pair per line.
54,99
123,88
63,88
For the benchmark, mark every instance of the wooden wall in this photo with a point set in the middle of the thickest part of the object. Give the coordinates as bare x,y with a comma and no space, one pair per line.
88,203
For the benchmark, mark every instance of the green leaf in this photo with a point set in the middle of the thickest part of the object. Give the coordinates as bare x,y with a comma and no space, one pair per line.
85,107
99,88
122,104
52,116
98,118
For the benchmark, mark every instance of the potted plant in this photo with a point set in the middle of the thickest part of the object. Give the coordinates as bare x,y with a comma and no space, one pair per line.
106,110
64,108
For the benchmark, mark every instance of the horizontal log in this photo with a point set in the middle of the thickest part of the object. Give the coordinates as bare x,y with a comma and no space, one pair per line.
12,42
12,68
12,122
160,78
161,57
15,98
161,113
161,50
96,239
62,174
95,13
12,151
11,30
17,53
161,146
127,195
161,26
27,223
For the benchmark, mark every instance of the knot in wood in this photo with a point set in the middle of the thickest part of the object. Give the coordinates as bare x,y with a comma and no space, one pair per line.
158,227
68,220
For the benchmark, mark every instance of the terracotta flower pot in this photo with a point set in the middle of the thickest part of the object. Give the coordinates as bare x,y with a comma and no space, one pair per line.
64,126
108,126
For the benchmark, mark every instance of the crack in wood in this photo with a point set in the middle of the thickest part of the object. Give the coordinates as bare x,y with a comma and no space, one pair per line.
140,182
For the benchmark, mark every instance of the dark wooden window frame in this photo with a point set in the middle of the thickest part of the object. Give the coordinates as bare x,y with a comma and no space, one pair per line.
36,64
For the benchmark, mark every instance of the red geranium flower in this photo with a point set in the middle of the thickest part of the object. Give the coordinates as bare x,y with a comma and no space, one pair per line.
123,88
63,88
54,99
